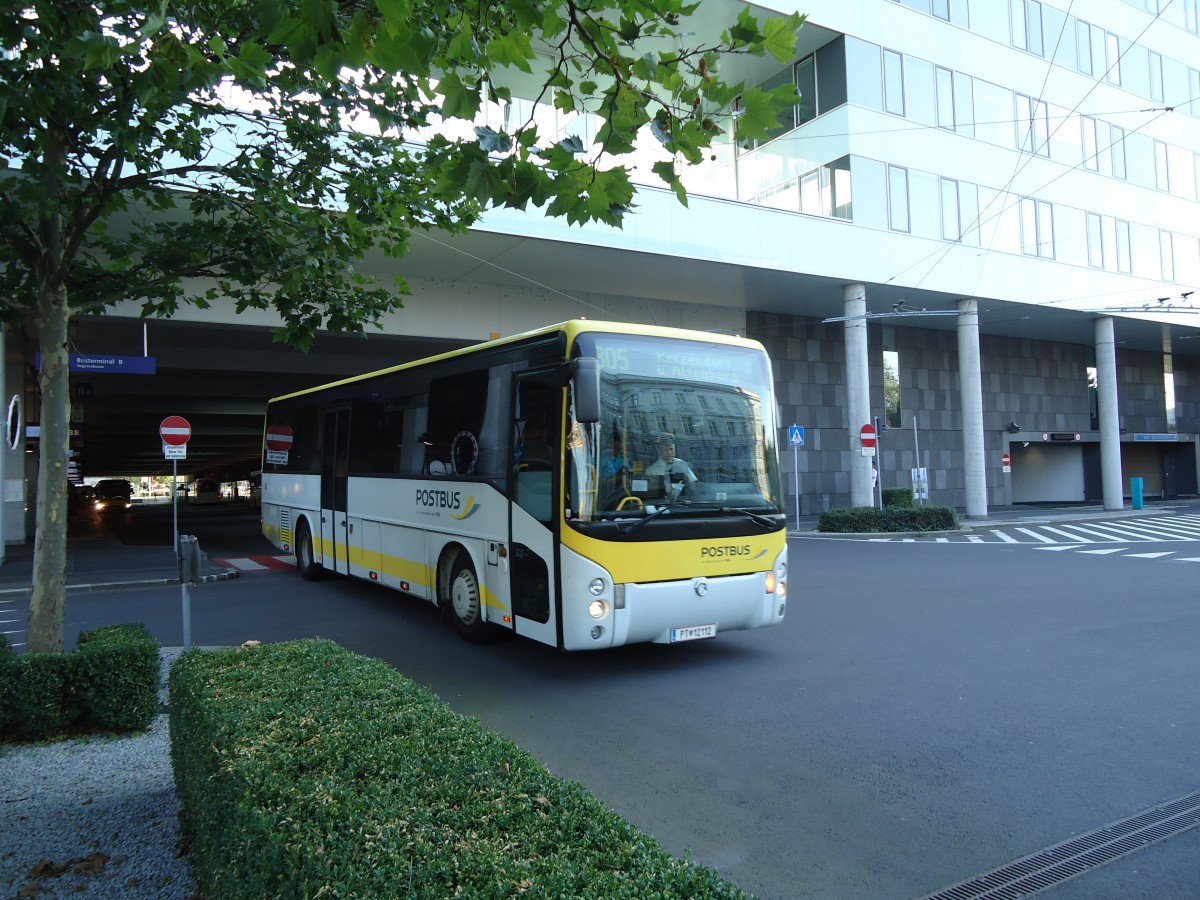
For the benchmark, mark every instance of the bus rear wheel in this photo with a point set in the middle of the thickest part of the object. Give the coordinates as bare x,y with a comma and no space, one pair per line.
309,568
466,603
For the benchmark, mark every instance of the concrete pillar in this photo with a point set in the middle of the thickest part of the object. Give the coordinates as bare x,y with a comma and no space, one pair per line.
970,388
858,392
1110,414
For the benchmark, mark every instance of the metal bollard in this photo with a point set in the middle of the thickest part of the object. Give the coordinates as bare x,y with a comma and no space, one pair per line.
189,574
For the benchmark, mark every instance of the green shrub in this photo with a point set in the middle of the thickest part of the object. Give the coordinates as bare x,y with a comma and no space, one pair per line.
109,684
897,496
349,780
119,665
8,688
869,520
44,702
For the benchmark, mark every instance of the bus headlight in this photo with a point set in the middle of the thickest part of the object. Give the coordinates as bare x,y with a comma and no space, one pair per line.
597,587
597,609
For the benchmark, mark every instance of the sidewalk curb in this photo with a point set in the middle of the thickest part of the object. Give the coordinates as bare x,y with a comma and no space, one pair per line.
113,585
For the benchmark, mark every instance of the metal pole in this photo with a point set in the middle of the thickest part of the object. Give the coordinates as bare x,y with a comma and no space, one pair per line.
175,504
796,469
917,451
187,614
879,460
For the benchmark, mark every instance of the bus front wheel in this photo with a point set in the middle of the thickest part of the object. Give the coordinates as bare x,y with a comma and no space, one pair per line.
466,602
310,569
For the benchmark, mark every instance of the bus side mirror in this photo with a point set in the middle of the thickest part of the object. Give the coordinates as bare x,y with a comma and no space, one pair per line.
587,389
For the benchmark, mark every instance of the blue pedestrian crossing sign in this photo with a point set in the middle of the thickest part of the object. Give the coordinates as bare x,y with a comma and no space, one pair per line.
796,435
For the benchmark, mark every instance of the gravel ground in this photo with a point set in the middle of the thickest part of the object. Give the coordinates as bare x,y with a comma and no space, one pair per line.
95,816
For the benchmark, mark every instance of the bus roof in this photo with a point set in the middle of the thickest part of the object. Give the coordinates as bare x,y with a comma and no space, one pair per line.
571,329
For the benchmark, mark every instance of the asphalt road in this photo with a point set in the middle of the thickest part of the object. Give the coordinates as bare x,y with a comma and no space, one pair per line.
926,712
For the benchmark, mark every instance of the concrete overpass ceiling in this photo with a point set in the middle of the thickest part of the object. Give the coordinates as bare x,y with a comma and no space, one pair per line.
219,377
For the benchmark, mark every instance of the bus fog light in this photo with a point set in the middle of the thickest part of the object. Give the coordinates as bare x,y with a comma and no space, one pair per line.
781,590
597,632
597,587
597,609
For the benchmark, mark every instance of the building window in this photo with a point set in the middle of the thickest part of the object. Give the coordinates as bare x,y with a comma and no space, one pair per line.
941,9
1033,126
1117,146
1083,47
1095,239
806,84
951,222
893,82
1091,148
1156,76
1033,19
1037,228
1166,250
1112,58
1124,262
898,199
891,379
1162,179
945,97
1020,38
1191,16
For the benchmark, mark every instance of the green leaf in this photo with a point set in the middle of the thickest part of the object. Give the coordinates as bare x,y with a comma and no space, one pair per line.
779,36
512,49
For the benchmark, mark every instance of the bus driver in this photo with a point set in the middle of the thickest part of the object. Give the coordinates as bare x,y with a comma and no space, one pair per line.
670,467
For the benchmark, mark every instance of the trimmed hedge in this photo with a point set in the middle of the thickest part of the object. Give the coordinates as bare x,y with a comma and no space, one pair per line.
870,520
349,780
110,683
8,687
897,496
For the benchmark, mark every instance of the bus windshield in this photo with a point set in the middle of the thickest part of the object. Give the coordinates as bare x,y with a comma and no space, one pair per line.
685,426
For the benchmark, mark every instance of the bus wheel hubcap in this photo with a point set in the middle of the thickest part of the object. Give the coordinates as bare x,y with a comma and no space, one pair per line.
464,596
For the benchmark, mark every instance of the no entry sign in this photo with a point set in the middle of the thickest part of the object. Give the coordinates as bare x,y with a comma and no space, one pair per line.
867,436
175,431
279,438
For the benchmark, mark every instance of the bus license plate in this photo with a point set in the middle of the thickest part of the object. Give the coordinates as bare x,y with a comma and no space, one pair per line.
693,633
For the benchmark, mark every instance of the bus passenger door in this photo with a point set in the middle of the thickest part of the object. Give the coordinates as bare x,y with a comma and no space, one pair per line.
537,454
335,464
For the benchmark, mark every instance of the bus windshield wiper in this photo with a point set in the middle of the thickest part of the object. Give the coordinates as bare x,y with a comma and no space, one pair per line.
758,518
629,528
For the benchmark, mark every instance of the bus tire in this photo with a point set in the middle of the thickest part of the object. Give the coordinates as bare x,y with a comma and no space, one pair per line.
306,564
466,602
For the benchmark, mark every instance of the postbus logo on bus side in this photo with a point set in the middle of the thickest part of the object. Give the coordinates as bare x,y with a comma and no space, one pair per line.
436,501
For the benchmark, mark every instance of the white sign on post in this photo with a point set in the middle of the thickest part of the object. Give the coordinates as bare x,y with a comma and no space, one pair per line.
174,451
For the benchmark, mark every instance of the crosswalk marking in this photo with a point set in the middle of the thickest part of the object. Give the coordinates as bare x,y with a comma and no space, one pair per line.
1007,538
1105,551
1079,539
258,563
1152,555
1037,536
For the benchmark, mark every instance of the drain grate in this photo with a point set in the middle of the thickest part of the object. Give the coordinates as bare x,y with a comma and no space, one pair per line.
1069,859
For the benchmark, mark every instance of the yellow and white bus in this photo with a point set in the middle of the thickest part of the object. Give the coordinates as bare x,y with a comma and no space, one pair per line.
527,485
